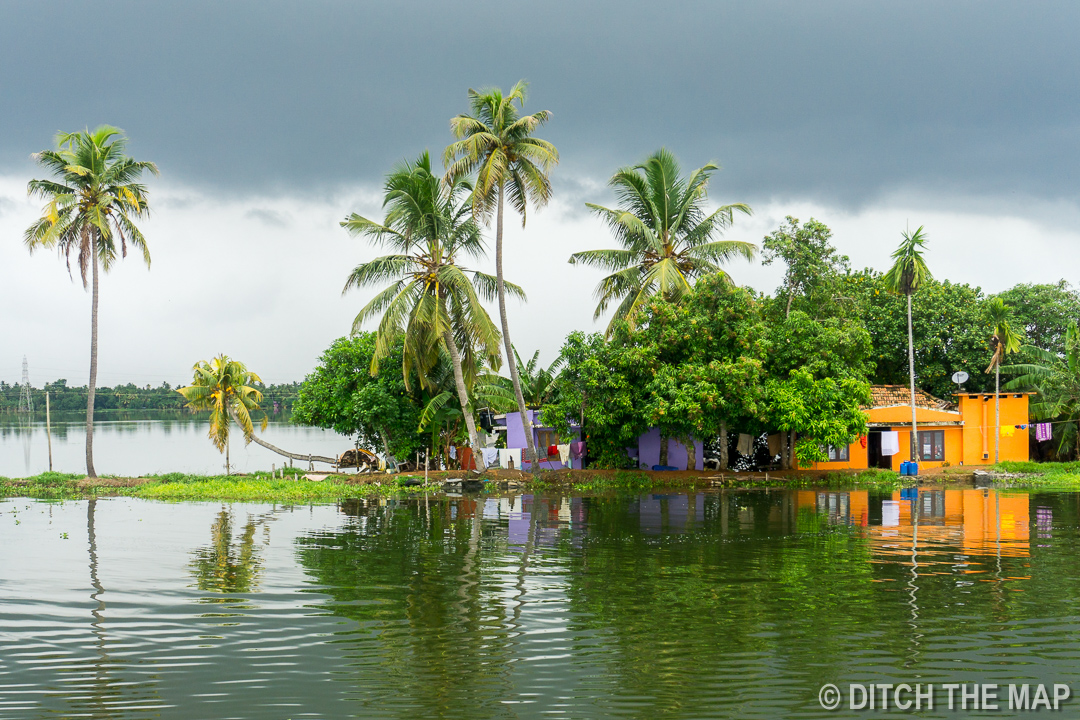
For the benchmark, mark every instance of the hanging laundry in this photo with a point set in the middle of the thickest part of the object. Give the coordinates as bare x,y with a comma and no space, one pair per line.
577,450
862,441
553,450
564,454
491,456
774,445
1043,432
746,444
890,443
453,452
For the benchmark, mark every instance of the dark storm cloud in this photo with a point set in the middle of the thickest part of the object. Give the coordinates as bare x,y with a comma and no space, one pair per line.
836,102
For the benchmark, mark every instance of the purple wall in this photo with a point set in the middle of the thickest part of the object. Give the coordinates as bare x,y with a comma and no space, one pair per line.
515,438
649,451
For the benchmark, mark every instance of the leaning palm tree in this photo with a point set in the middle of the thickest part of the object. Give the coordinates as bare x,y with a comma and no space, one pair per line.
905,277
225,387
1002,342
431,301
92,203
668,238
496,142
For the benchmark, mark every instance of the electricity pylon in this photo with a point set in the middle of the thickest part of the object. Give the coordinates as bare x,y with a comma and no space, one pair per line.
26,397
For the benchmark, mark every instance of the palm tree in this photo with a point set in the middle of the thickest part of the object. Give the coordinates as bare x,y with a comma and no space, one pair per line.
92,202
668,239
1002,342
538,382
905,277
431,300
496,142
225,388
1057,381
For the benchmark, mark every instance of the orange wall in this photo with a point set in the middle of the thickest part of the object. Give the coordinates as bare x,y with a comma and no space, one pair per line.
964,444
977,410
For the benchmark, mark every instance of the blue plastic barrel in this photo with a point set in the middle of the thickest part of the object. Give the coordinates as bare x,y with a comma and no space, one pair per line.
904,467
913,468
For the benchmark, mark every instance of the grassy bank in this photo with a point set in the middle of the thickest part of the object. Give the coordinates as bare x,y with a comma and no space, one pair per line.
256,487
1059,475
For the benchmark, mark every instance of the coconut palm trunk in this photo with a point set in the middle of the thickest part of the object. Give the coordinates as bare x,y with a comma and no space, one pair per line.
911,373
515,378
90,471
463,398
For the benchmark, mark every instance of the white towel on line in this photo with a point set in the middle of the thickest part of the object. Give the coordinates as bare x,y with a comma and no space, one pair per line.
890,443
491,456
564,454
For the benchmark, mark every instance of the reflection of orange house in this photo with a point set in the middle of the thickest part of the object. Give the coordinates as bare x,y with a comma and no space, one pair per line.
950,433
973,521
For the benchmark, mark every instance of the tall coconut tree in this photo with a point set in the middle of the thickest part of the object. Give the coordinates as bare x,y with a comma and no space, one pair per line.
225,387
92,203
905,277
496,142
667,237
1002,342
431,300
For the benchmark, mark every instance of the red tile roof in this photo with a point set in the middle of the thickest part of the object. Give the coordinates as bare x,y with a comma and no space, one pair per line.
892,395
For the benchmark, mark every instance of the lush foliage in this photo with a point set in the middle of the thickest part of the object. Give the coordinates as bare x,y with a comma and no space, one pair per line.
342,395
667,239
1057,380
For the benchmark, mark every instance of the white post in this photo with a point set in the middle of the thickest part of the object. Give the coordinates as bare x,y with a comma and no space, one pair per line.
425,466
48,428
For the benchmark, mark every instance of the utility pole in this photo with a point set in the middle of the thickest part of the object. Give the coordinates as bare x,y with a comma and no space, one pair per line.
26,397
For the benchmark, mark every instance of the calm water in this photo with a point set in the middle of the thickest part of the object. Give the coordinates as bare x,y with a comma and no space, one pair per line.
133,443
724,604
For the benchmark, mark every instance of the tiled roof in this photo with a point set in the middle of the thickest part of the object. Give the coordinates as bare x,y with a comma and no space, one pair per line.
891,395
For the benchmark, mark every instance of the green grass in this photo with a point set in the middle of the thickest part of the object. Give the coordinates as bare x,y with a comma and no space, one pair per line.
256,487
1064,475
622,481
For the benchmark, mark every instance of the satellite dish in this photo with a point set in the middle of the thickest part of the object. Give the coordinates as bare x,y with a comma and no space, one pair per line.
959,377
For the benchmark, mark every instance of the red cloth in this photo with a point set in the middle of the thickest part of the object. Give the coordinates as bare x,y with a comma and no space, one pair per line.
553,450
862,441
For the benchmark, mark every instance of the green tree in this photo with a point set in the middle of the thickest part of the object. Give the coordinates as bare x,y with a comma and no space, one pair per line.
1002,342
1043,312
497,143
667,237
598,386
813,267
817,382
341,394
431,301
93,202
225,388
905,277
1056,379
950,336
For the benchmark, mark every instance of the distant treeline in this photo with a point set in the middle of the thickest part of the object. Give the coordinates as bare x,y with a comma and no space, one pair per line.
64,398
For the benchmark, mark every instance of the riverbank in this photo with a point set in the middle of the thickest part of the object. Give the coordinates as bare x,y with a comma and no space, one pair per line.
295,486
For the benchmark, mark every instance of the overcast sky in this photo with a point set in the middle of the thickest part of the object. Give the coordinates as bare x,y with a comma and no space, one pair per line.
270,121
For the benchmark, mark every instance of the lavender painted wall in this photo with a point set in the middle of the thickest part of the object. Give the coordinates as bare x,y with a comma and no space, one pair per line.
515,438
649,451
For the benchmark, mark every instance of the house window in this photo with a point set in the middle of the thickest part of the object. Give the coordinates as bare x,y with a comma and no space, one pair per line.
932,445
837,454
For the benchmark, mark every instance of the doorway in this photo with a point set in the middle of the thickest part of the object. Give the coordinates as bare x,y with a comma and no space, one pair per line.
874,458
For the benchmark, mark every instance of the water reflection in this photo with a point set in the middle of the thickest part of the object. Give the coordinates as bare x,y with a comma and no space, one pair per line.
228,564
687,605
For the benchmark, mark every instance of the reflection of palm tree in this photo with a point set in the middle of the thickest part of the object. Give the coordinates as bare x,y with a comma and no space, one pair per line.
223,567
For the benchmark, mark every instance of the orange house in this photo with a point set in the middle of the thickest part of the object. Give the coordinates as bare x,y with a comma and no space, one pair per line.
960,433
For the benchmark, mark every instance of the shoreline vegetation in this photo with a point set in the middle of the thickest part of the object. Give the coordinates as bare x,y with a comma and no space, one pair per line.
295,486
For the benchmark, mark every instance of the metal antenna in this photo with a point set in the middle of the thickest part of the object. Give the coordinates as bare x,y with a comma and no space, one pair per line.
26,397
